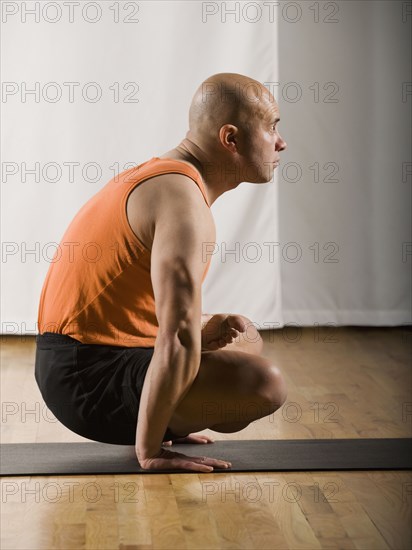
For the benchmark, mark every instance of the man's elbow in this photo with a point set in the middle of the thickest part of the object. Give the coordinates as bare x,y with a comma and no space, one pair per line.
178,356
186,336
189,334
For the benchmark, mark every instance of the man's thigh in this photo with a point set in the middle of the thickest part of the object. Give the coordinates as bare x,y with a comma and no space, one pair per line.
228,385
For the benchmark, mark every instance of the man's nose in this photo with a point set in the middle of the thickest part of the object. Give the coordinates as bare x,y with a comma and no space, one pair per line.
281,144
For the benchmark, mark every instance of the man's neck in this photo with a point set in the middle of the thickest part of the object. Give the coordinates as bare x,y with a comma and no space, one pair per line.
217,177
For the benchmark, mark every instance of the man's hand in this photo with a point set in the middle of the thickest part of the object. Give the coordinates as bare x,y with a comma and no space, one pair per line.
168,460
221,330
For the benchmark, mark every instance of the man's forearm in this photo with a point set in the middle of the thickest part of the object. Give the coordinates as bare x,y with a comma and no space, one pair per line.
170,374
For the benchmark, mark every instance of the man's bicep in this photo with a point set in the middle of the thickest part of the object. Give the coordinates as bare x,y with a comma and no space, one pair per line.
177,267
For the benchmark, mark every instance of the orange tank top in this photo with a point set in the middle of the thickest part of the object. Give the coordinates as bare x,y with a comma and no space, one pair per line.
98,288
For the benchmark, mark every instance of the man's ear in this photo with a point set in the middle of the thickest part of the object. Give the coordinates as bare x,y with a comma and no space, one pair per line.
228,135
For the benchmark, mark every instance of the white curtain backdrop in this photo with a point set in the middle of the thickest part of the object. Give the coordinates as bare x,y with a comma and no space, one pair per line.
328,241
345,185
146,70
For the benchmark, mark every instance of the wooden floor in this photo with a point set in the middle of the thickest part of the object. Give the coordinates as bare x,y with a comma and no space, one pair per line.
347,382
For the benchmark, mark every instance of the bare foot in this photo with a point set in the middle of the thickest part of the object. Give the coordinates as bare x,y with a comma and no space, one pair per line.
221,330
191,438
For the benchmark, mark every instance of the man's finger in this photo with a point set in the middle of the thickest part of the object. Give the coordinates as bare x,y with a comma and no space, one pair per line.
212,461
205,460
191,465
199,439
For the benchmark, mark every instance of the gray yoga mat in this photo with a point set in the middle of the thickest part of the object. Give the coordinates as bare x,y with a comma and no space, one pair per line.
24,459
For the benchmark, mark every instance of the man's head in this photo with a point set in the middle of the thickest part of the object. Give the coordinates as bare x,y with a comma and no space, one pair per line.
233,117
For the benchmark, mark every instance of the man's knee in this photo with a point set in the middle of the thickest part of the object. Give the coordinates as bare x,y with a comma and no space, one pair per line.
262,390
271,390
277,387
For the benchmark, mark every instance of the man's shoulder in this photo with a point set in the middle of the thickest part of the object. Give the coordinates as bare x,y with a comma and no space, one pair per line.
167,191
165,195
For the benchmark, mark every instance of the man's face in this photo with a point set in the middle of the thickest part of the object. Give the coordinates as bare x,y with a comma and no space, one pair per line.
263,143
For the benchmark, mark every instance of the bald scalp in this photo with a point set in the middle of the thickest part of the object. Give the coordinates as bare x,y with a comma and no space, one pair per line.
227,98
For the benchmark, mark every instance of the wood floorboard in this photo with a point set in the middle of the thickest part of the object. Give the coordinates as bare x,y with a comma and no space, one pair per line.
343,382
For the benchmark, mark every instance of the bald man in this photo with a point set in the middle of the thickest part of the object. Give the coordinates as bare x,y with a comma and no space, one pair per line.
197,371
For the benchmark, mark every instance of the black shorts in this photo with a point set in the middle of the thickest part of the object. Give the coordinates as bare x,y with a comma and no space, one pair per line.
93,389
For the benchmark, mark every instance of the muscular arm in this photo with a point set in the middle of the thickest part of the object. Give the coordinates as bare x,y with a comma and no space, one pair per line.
182,224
